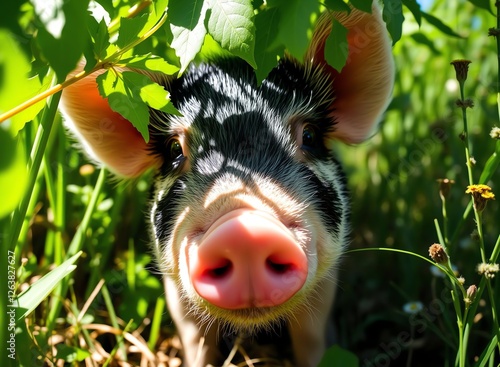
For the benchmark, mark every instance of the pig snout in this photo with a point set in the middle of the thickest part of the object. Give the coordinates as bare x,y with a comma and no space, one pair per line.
247,259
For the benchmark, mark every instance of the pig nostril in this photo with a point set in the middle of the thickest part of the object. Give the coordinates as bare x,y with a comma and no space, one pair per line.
220,271
277,267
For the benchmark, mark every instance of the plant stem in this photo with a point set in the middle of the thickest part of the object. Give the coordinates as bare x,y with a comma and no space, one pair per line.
497,4
496,251
445,222
494,312
74,247
82,74
37,153
466,135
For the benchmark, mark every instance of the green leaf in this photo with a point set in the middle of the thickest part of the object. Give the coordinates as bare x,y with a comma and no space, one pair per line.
422,39
266,56
336,356
15,86
151,93
295,25
336,46
37,292
158,7
439,25
124,97
393,18
231,24
131,29
150,63
101,40
13,172
491,165
210,49
363,5
338,5
187,24
62,32
414,7
484,4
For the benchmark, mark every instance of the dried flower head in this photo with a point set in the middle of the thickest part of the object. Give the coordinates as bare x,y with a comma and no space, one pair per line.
481,194
461,69
488,270
495,133
444,187
438,254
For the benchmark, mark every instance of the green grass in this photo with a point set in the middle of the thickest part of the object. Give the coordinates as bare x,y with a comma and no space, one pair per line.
111,307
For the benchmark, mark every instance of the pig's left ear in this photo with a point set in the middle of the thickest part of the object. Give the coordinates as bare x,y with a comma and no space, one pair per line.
362,89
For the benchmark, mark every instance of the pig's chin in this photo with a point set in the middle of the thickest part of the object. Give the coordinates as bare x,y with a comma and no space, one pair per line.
250,320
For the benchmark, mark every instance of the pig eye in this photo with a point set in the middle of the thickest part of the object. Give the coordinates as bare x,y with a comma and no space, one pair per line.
310,137
174,149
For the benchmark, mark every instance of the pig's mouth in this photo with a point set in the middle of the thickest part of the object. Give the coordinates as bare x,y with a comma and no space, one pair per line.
247,264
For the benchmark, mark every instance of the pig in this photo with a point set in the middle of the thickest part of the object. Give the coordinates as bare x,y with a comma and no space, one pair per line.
250,208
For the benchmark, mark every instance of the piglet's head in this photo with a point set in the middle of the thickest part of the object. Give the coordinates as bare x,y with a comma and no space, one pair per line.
249,210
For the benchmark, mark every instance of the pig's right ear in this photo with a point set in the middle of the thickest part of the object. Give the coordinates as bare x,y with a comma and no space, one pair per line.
106,135
362,89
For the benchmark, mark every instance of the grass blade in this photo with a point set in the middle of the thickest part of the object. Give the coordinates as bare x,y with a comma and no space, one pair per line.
34,295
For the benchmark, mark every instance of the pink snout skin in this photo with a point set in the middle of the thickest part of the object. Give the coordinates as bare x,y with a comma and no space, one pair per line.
247,259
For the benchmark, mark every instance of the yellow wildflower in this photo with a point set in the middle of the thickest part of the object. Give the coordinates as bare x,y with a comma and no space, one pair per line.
480,194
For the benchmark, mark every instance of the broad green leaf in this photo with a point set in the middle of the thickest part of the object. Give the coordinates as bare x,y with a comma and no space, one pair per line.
131,29
13,172
337,356
156,10
10,20
187,24
414,7
124,97
37,292
296,25
266,56
439,24
336,46
363,5
484,4
421,38
15,86
154,95
150,63
211,49
393,18
337,5
101,40
231,24
148,20
62,34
